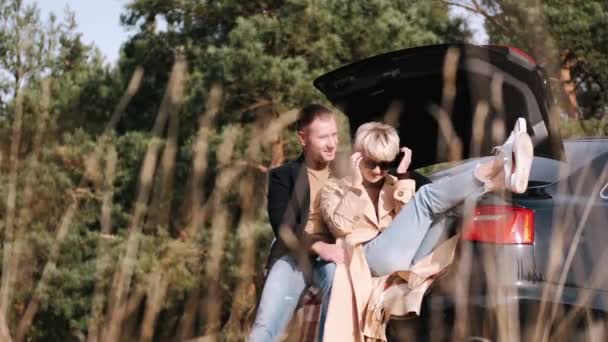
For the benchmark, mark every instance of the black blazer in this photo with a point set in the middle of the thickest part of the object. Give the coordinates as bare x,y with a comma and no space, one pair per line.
288,203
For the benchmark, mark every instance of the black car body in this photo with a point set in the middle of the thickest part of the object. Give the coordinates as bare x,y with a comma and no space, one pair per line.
546,246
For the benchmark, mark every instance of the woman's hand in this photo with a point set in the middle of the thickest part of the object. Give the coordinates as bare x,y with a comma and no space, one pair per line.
405,162
355,162
329,251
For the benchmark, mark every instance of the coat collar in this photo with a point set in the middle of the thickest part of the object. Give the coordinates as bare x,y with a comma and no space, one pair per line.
386,203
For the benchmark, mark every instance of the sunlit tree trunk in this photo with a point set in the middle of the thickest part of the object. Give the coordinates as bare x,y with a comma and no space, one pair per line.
569,89
278,153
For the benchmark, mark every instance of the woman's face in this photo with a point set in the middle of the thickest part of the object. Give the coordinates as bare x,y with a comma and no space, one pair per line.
372,170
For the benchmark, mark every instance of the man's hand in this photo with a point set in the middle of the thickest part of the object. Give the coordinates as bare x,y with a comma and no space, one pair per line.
329,251
405,162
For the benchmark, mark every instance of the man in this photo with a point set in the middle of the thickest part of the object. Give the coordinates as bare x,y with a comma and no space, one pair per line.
304,251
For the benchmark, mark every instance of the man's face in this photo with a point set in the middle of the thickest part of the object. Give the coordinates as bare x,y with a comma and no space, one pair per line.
320,139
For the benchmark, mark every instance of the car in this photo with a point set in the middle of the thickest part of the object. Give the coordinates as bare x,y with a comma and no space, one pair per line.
527,264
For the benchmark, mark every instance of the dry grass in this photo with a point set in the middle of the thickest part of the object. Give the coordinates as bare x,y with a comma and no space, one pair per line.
203,306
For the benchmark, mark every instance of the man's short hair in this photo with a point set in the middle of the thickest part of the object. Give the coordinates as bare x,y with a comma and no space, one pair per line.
309,113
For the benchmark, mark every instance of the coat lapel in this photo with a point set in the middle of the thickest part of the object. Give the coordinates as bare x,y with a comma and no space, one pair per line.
386,203
368,211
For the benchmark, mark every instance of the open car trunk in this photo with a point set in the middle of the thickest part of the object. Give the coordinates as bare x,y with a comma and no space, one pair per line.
406,88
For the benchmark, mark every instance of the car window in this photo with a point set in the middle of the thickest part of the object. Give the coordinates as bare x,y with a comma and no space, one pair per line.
586,179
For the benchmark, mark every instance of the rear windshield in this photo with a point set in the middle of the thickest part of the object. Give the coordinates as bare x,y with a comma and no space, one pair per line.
413,104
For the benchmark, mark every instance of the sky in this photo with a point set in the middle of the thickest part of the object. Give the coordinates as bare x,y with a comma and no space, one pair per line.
99,22
475,22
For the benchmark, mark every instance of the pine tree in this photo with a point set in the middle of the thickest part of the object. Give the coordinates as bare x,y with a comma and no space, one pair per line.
567,37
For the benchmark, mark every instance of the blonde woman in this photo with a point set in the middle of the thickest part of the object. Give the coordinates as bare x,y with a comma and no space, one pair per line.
380,222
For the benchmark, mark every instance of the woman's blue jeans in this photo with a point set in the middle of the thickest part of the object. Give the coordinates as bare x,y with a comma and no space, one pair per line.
395,248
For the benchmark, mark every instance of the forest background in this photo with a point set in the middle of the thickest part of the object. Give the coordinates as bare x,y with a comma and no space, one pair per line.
132,194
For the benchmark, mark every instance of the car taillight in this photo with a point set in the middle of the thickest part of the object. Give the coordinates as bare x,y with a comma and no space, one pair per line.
515,52
501,225
522,54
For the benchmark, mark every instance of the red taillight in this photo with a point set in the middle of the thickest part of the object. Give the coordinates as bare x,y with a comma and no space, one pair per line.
522,54
501,225
515,52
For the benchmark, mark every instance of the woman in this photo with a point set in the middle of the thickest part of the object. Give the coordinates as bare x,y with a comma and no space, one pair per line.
380,223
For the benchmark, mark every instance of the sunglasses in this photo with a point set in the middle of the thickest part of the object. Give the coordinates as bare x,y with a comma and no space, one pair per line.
370,164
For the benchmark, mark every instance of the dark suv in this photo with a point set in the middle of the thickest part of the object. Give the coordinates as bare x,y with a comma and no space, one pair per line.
529,265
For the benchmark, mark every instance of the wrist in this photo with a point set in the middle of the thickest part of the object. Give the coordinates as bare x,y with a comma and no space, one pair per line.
403,175
357,190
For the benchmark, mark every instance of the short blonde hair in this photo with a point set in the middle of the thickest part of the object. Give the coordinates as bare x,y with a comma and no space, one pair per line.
377,140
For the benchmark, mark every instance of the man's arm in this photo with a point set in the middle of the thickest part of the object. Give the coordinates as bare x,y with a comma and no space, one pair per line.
279,195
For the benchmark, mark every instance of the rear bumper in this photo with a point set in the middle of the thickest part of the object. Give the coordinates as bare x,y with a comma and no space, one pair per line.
488,276
524,293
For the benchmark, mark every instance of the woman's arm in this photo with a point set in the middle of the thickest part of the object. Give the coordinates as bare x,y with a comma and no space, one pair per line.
404,191
341,207
405,187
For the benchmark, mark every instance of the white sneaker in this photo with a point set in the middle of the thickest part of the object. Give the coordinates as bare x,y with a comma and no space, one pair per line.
518,152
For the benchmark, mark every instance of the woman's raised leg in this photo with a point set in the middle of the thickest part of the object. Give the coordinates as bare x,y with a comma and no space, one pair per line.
396,246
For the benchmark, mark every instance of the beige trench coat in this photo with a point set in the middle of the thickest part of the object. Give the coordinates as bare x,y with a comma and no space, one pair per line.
361,305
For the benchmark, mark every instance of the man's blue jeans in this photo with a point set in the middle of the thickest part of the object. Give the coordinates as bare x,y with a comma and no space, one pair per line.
282,291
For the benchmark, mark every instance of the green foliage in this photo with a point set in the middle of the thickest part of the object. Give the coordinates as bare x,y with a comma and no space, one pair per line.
570,34
264,54
25,49
66,296
584,128
267,55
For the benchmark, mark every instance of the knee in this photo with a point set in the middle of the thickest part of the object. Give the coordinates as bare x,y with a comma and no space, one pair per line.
424,198
423,195
394,260
272,317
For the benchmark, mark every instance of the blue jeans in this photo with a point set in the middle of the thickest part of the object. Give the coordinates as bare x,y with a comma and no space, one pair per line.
282,291
395,248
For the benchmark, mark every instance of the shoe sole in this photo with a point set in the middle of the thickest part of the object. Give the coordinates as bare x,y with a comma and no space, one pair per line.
523,152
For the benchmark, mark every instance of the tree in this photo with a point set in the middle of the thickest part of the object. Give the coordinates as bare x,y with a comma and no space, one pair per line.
568,37
265,55
22,44
54,89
